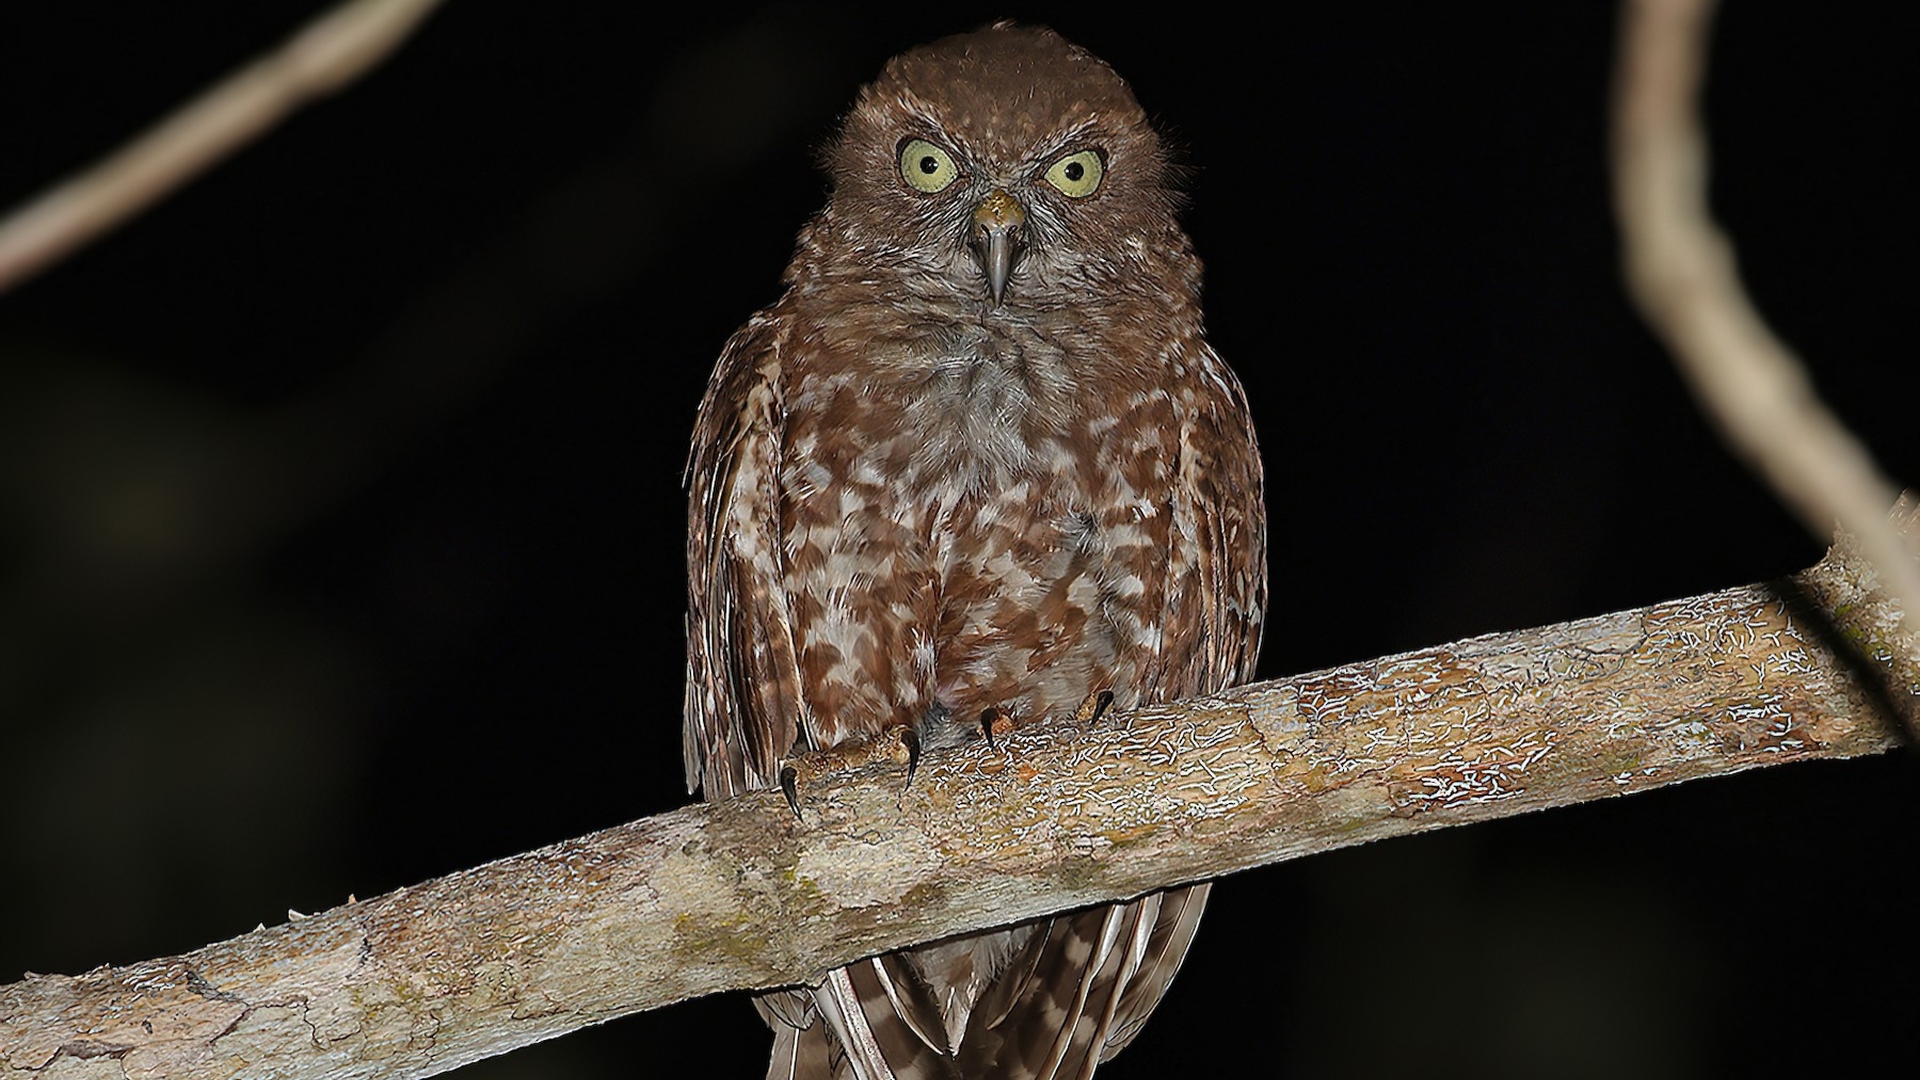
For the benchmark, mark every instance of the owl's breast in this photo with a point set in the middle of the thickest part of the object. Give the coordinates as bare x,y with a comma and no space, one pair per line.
1049,588
984,504
950,398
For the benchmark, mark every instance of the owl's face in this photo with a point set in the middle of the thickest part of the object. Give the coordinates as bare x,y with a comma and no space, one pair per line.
1006,170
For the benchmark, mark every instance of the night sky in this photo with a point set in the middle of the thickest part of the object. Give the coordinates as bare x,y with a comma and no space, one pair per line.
341,524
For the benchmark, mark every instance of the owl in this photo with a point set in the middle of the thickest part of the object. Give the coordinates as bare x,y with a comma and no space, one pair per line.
976,462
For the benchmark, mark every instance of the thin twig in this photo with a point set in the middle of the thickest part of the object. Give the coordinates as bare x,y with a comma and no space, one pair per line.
1681,271
334,49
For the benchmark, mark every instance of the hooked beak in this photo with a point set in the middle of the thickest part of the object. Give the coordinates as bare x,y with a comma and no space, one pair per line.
997,222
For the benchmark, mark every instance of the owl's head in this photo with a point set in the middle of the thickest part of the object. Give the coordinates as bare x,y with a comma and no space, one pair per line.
1005,167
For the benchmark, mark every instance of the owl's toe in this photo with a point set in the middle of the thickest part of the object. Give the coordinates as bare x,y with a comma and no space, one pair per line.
790,787
910,739
995,720
1093,707
900,745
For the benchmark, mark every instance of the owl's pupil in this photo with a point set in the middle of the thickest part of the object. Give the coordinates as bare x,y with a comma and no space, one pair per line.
1074,171
929,164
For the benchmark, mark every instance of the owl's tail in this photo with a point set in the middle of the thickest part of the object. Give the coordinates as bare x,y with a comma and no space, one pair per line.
806,1054
1097,976
1077,993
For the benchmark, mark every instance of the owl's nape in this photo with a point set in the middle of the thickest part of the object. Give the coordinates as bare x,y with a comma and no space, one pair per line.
976,467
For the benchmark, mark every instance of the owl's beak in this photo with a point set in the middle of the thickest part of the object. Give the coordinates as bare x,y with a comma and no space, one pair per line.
997,222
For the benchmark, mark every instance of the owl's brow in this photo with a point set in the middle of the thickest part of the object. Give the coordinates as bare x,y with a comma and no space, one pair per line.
924,128
1088,134
1080,132
923,124
1083,133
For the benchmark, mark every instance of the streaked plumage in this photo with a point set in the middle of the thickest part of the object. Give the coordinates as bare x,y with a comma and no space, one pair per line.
913,499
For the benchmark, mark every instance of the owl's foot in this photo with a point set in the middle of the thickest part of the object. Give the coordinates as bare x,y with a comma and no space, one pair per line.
900,745
910,739
995,720
790,787
1093,707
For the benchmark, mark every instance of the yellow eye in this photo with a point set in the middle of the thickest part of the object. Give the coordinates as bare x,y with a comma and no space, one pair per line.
926,167
1078,174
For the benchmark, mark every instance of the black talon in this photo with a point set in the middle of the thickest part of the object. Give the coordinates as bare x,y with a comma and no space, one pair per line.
912,739
790,784
987,717
1100,703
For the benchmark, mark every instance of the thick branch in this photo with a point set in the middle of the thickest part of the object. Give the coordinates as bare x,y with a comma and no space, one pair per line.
738,895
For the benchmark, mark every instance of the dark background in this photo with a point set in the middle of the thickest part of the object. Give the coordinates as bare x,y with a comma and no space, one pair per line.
340,515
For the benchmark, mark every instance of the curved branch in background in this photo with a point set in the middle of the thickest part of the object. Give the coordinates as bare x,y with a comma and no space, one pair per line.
339,46
737,895
1681,271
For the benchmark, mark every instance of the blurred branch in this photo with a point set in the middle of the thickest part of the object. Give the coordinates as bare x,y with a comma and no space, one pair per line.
326,54
1681,271
737,895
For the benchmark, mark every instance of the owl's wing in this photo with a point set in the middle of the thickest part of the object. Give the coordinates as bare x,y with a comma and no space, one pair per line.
1082,988
1216,609
1216,598
743,710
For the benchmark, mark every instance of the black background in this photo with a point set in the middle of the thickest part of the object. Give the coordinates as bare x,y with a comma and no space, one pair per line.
341,525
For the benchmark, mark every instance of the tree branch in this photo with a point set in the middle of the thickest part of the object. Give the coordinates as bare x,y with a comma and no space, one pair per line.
738,895
334,49
1681,272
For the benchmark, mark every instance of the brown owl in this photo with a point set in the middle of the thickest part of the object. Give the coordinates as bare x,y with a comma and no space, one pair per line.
977,461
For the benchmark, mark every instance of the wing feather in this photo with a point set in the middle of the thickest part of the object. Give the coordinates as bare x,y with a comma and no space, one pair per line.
1216,607
743,709
1178,918
1217,592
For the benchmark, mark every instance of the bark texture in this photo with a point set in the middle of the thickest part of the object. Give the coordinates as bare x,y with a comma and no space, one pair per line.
739,895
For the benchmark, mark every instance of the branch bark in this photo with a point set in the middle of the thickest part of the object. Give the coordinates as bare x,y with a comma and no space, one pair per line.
738,895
